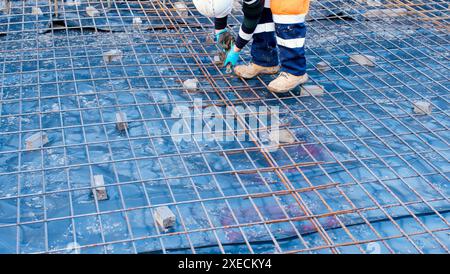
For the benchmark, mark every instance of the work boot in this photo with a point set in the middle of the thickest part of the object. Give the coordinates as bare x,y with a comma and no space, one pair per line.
287,82
252,70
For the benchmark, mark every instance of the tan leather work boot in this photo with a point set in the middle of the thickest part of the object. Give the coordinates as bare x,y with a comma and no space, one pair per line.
252,70
287,82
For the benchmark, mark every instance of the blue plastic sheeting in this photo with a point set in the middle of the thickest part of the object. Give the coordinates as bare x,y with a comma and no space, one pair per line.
390,163
117,18
20,18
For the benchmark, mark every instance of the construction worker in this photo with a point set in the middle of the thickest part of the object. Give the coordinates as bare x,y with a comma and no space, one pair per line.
276,26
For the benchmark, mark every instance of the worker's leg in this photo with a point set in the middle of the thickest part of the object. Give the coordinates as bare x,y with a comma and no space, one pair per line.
264,49
289,18
291,41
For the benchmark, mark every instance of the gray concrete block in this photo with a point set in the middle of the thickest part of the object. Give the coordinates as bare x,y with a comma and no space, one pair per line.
114,55
98,188
281,136
36,141
423,108
190,85
92,11
121,121
312,90
36,11
323,66
137,22
181,8
363,60
164,217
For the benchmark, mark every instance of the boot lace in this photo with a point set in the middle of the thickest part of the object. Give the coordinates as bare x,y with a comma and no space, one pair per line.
284,75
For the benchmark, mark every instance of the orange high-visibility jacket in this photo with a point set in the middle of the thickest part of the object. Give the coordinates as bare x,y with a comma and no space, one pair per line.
289,7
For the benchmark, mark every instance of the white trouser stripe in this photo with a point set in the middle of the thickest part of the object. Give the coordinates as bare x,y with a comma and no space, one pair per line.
267,27
289,19
261,28
250,2
291,43
245,36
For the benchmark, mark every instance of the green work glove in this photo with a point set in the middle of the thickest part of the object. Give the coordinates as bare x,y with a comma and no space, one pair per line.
232,57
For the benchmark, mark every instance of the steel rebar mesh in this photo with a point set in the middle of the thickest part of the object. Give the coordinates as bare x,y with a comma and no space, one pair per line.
365,173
